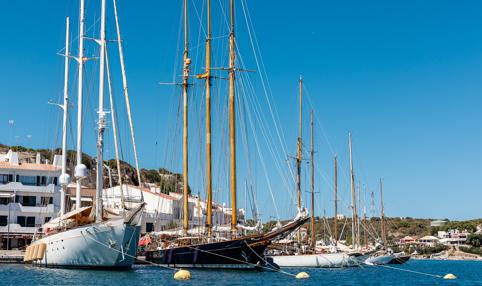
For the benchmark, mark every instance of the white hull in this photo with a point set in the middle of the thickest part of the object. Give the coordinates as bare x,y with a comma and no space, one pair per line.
325,260
379,260
111,245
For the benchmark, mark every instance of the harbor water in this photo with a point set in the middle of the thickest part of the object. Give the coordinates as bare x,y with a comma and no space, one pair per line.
415,272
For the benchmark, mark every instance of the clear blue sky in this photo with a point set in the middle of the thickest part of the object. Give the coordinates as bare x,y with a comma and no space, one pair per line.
403,76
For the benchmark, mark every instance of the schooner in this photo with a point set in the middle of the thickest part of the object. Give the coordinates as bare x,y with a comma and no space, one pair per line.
214,252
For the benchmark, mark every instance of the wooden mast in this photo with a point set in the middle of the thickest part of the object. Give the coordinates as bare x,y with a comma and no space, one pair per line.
358,231
353,196
382,214
209,191
185,84
336,201
365,228
232,122
299,156
312,153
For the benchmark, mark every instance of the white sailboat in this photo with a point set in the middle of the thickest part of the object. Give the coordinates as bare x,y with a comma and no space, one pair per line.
387,256
88,237
334,259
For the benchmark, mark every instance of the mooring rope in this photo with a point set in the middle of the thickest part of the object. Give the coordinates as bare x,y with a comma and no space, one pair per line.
411,271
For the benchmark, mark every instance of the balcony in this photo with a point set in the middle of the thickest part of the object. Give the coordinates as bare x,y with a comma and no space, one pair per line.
18,208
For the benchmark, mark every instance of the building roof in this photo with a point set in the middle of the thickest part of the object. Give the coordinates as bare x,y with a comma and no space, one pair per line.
162,195
428,237
30,166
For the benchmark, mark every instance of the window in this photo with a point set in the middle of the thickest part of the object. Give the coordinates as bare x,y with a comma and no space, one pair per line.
27,201
28,180
3,220
51,180
47,219
21,221
4,179
4,201
47,201
30,221
149,227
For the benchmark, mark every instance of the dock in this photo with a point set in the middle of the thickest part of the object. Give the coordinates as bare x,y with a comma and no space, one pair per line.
11,256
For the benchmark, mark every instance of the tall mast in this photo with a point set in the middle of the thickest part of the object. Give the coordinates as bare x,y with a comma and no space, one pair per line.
382,214
312,153
185,85
232,124
114,129
299,155
353,196
358,220
65,178
126,96
336,200
101,120
80,169
209,191
365,228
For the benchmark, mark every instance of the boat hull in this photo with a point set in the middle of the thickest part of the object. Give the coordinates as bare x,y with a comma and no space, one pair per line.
379,260
400,259
107,245
234,254
325,260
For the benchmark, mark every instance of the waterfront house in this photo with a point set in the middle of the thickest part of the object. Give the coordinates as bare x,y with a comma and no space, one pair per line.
407,240
428,240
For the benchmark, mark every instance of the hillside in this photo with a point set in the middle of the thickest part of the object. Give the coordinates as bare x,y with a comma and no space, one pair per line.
168,181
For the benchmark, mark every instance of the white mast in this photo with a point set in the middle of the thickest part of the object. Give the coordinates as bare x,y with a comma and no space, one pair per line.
101,120
80,169
126,95
64,177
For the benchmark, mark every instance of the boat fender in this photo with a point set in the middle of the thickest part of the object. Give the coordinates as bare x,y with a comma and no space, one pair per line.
450,276
26,257
302,275
35,252
182,275
41,251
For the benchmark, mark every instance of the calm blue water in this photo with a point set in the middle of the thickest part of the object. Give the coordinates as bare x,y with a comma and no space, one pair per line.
468,273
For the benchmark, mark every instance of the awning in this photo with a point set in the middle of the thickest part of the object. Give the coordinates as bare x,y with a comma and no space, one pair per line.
81,199
7,195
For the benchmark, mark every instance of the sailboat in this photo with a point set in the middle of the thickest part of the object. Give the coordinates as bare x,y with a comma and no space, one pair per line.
210,251
387,256
295,258
87,237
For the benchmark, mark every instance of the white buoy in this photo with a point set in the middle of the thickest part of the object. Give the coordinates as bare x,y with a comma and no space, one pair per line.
182,275
302,275
450,276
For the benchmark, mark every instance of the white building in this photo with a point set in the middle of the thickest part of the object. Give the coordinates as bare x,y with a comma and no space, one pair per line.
164,211
453,237
29,197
